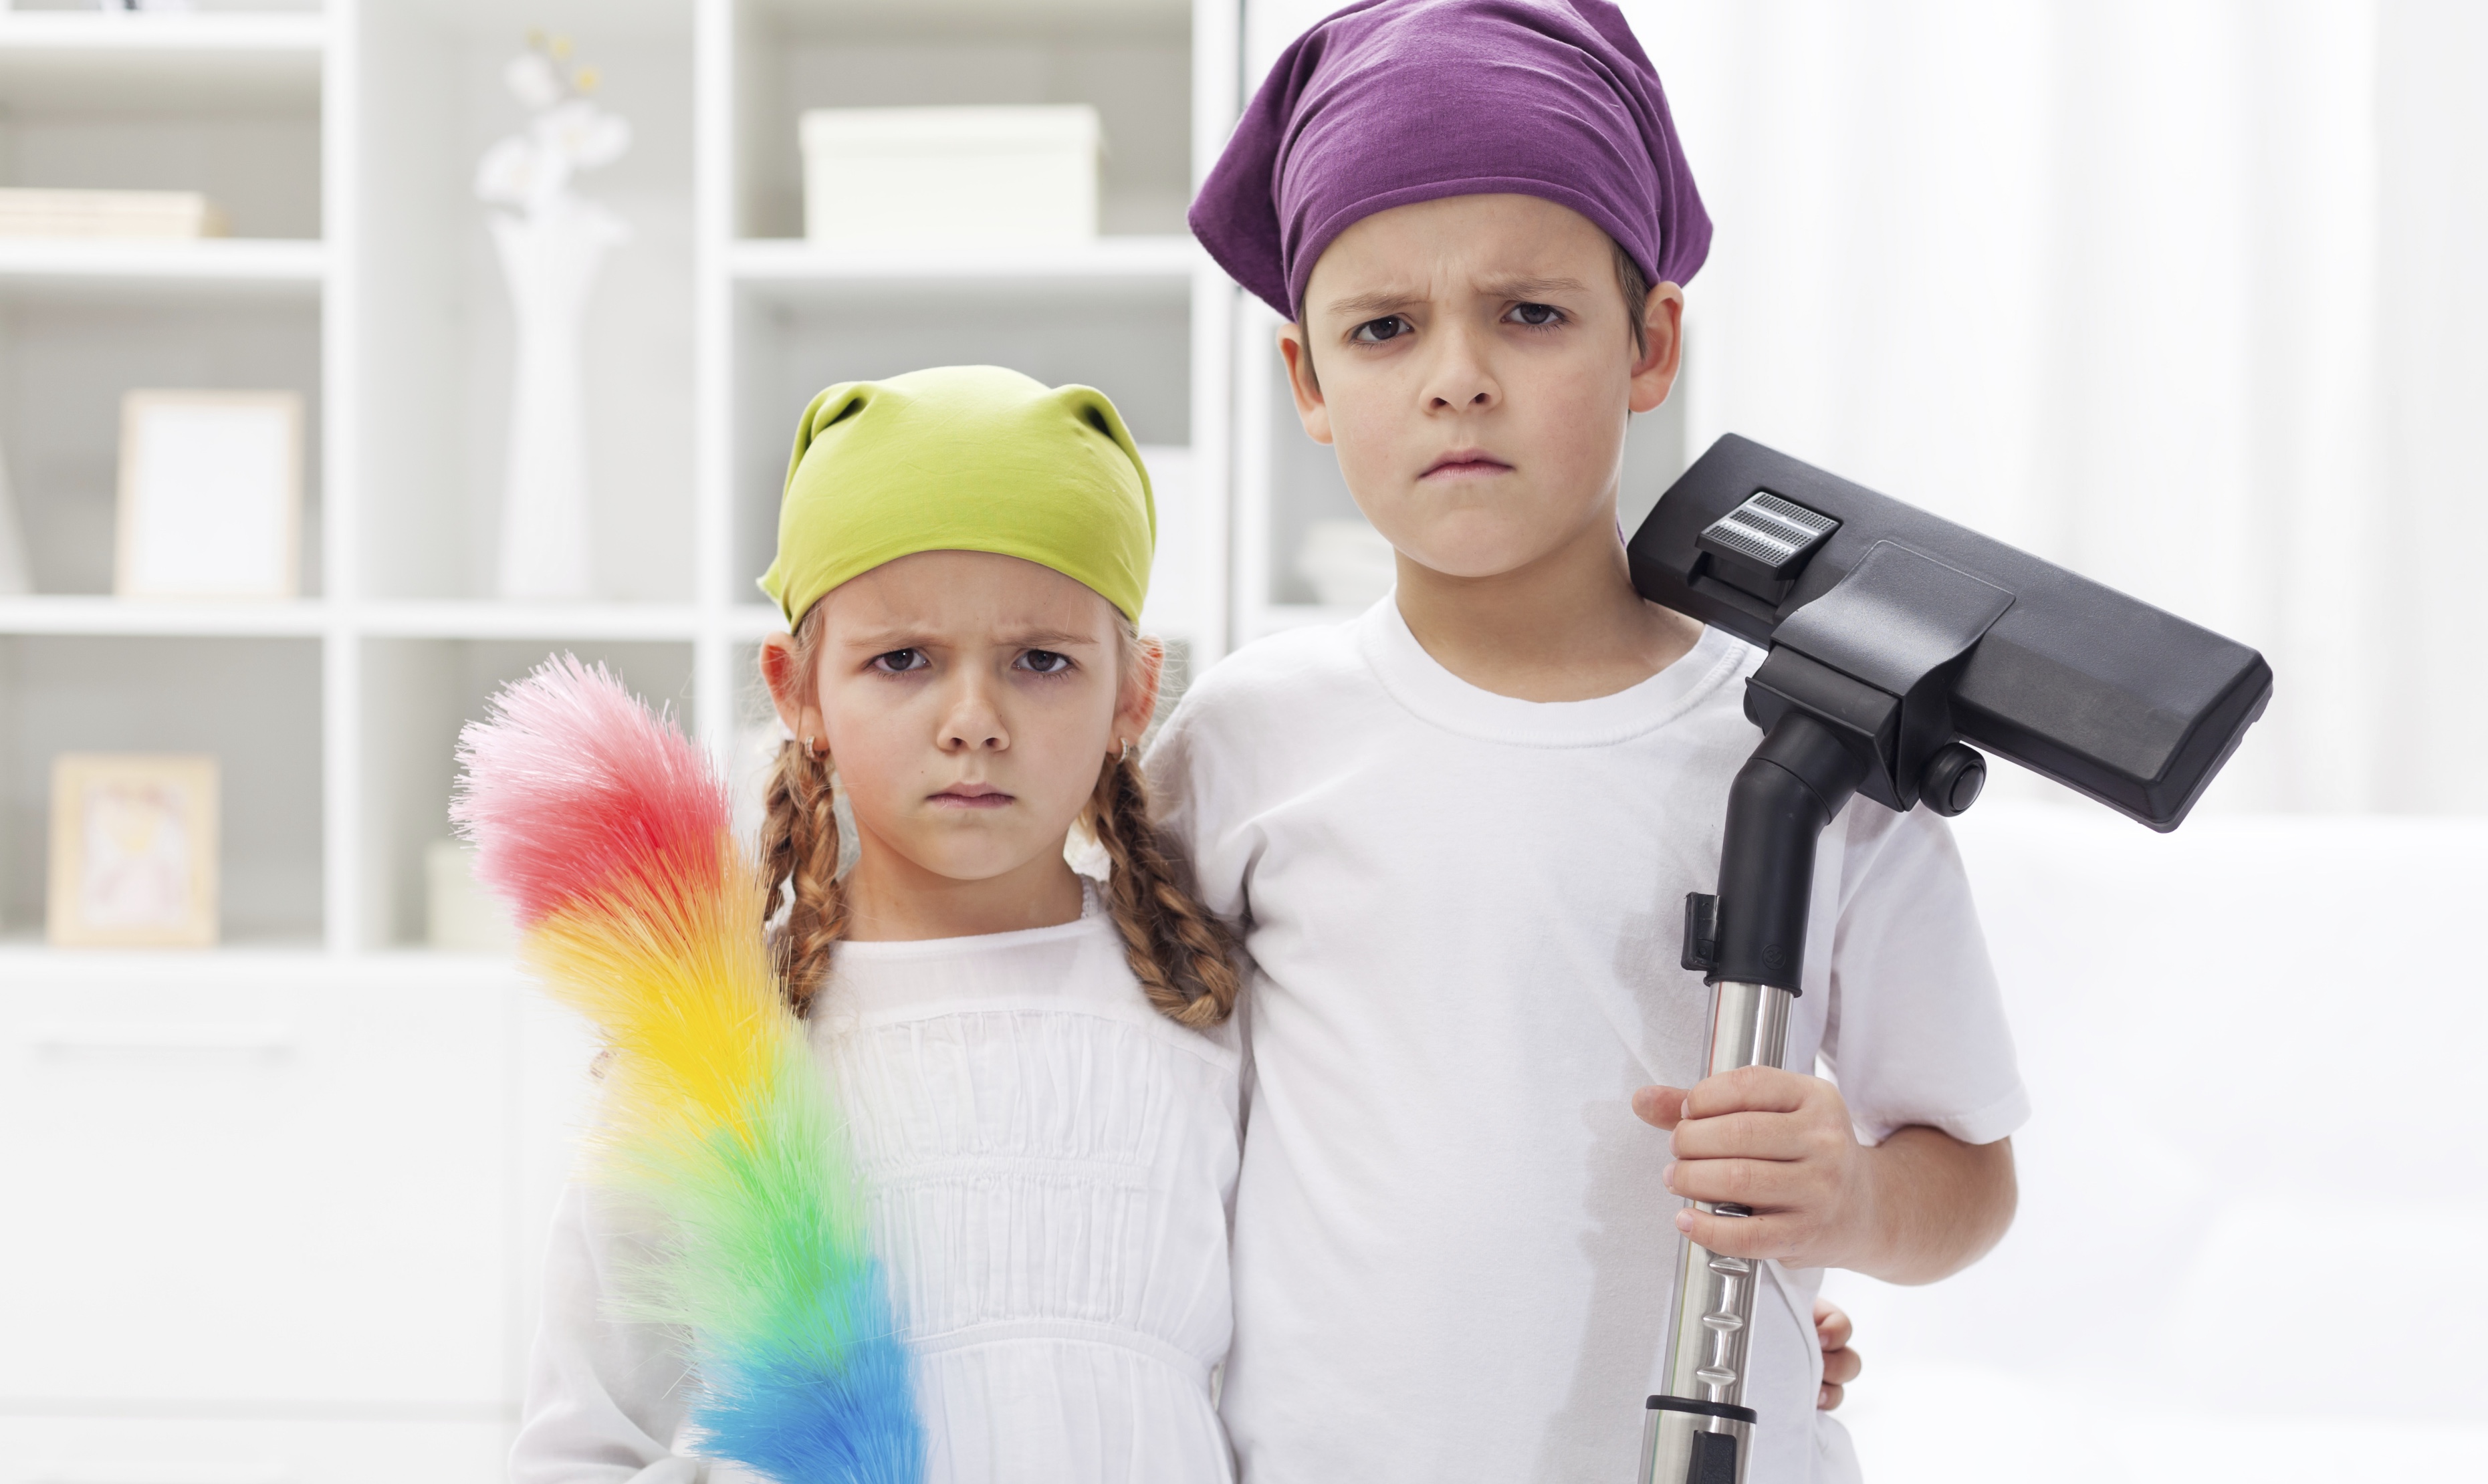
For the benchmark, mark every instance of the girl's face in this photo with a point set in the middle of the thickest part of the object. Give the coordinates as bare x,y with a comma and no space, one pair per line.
968,701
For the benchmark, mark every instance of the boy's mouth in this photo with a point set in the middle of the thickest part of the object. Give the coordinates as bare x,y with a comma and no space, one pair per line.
1465,464
970,795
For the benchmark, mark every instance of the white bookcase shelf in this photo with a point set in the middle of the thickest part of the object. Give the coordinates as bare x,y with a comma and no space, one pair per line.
341,140
207,268
76,615
161,63
1141,267
552,622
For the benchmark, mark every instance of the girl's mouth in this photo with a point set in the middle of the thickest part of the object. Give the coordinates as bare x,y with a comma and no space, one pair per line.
971,796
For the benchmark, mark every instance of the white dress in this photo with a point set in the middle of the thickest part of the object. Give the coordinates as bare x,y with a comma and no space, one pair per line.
1051,1166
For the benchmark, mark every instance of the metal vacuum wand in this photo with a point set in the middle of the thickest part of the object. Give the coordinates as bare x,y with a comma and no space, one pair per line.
1751,939
1699,1431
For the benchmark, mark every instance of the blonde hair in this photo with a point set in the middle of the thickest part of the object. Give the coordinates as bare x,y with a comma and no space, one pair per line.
1182,954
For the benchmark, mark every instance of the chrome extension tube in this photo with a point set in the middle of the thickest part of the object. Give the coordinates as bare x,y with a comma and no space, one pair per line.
1699,1431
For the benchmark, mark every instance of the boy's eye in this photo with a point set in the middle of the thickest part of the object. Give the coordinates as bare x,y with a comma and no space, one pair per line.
1537,314
899,661
1044,661
1373,332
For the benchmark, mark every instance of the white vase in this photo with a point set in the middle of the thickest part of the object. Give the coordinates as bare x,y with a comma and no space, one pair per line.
550,258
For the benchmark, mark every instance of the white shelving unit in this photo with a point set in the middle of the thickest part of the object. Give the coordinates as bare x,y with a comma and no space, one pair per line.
309,1171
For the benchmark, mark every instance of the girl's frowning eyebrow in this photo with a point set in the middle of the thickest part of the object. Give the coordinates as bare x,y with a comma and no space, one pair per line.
883,638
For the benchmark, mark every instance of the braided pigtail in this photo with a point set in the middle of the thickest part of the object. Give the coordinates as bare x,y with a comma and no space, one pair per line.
798,844
1183,956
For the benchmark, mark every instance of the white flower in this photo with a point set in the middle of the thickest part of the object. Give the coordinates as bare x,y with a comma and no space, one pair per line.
582,135
533,80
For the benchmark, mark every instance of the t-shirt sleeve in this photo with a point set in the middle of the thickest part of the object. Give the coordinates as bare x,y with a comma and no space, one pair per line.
1194,801
1190,794
1916,1031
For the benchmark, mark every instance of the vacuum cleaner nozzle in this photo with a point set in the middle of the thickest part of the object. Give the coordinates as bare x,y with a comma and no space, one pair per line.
1917,641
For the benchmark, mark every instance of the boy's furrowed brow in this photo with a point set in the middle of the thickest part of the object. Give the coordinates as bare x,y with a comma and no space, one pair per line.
1527,288
1382,301
1374,305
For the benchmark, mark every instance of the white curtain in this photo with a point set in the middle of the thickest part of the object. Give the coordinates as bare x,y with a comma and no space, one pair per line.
2187,294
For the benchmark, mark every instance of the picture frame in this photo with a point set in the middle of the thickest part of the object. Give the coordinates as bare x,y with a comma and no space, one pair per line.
211,498
133,851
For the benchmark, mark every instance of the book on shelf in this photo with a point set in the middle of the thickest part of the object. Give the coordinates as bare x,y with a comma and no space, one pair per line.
157,214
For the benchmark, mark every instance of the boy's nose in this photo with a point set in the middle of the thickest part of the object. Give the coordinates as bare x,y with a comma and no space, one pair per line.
1460,382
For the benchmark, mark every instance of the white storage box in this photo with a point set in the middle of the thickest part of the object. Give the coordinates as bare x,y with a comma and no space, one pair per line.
950,175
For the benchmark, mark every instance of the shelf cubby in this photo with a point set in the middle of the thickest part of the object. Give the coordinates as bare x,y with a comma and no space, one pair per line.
66,359
436,340
254,704
416,694
1129,59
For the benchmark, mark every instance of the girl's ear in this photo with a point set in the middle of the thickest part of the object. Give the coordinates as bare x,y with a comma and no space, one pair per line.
782,669
1137,703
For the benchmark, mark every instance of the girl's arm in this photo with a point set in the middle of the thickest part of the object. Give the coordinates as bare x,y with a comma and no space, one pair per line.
604,1399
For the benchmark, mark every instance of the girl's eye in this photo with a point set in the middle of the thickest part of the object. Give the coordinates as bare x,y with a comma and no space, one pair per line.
899,661
1373,332
1044,661
1537,314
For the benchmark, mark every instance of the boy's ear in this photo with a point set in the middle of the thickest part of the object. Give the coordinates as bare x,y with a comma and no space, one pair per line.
1653,372
1296,349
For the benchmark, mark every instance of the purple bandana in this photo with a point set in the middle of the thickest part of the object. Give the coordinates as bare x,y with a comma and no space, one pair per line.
1392,102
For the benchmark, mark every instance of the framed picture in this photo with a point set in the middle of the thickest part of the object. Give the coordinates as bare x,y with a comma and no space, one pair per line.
210,494
133,851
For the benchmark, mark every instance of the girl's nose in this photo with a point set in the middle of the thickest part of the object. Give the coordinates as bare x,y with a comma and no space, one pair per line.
973,723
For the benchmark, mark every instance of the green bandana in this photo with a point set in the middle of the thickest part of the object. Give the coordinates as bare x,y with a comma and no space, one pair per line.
963,458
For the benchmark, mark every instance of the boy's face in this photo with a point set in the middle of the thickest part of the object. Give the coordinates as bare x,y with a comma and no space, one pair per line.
1471,360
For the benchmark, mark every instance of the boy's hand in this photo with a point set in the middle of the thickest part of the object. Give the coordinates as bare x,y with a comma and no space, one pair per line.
1778,1143
1840,1363
1920,1206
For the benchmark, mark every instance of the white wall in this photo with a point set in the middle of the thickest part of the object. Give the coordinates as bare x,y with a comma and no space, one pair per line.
2256,1178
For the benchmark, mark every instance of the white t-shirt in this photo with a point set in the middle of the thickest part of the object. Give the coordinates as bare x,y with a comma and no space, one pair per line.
1452,1251
1048,1161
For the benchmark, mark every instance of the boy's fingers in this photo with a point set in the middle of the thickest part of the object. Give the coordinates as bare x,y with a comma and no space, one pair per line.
1754,1089
1827,1398
1762,1182
1741,1136
1736,1236
1831,1326
1660,1106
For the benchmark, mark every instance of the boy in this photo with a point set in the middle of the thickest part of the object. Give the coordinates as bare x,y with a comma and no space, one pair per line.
1458,829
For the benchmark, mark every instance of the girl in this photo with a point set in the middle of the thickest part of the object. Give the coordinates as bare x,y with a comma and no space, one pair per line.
1036,1067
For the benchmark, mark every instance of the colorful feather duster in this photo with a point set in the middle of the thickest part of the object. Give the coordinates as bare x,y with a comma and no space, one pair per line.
607,830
